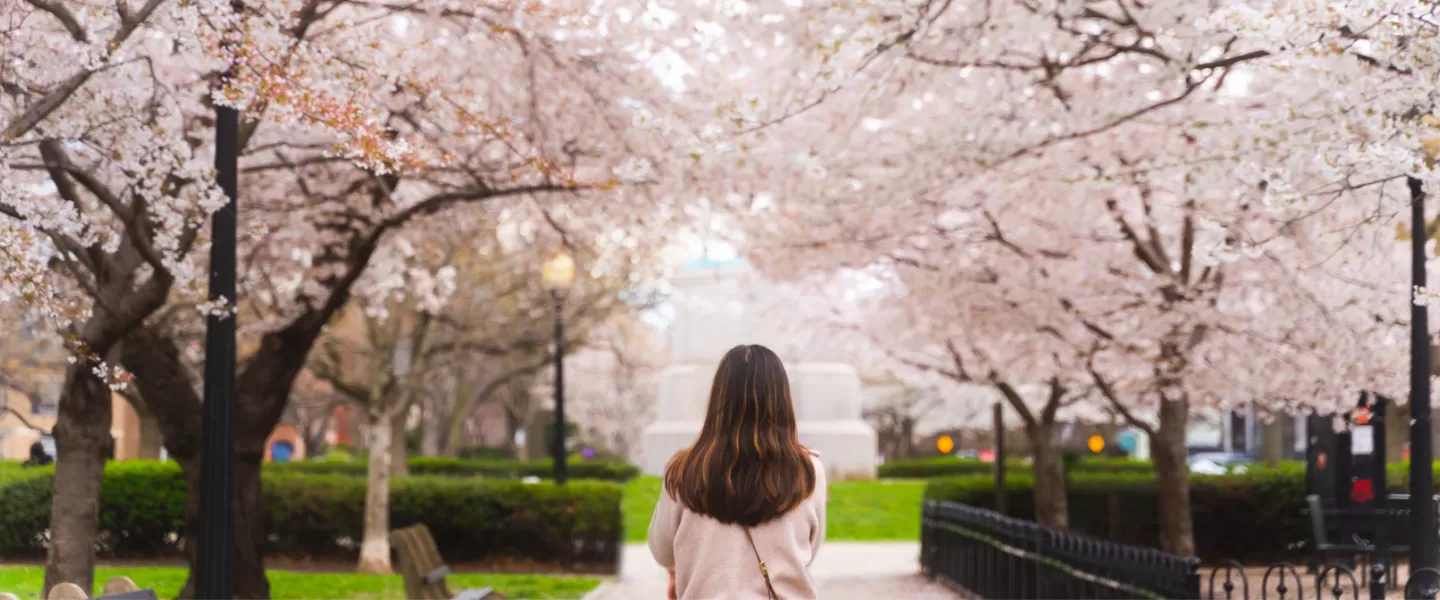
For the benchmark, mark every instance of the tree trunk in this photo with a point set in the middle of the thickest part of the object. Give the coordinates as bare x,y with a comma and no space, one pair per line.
165,383
1052,500
1272,440
315,435
398,468
431,426
82,437
907,438
1172,478
1397,430
513,425
375,547
250,580
461,409
151,439
263,387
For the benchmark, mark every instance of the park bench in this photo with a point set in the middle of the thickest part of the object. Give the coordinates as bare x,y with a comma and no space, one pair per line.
1329,526
424,571
118,588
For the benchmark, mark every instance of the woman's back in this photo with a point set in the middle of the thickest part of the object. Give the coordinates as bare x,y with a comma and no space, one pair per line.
714,560
745,494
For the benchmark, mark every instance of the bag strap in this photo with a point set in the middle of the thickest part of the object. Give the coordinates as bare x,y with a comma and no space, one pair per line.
763,571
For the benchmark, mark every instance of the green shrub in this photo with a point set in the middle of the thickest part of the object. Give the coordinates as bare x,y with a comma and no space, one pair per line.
1252,516
950,466
320,515
24,508
608,470
487,453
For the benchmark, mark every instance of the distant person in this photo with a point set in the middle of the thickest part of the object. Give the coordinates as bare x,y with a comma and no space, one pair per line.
38,457
742,514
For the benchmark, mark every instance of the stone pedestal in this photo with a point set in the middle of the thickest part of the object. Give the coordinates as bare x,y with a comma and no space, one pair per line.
710,318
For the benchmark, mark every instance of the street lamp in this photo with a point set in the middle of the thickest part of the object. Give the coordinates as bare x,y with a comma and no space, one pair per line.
558,274
1423,551
215,532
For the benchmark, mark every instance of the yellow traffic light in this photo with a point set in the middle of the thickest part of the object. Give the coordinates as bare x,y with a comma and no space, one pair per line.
1096,444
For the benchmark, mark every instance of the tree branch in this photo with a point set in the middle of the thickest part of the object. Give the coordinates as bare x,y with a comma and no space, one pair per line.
48,104
66,18
24,421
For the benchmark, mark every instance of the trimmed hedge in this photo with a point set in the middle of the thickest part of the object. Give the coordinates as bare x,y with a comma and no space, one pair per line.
576,467
487,453
321,516
607,470
1252,516
950,466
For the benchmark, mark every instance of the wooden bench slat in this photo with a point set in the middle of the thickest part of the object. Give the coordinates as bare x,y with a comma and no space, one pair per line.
135,595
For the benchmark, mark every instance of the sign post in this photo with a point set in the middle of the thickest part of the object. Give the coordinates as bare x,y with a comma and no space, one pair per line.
1320,457
998,415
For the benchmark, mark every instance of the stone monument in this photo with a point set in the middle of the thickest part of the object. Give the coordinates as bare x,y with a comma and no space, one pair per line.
711,301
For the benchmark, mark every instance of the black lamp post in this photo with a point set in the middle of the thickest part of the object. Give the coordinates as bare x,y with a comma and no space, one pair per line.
558,275
998,416
215,532
1423,551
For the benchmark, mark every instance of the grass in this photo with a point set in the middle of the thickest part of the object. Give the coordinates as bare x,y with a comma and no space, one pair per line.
26,581
638,504
881,510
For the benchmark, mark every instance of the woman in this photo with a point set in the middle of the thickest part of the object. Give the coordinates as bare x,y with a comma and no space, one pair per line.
743,509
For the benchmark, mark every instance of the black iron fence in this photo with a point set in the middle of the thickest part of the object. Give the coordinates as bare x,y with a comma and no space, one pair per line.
989,555
994,556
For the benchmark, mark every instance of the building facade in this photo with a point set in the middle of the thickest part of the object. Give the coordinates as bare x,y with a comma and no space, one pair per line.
24,422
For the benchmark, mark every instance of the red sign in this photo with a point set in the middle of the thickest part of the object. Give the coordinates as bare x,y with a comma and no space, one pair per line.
1320,461
1362,491
987,456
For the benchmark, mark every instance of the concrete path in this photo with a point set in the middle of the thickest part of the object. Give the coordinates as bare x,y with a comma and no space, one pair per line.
844,570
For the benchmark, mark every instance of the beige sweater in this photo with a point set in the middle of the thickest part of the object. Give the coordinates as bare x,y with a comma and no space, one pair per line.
713,561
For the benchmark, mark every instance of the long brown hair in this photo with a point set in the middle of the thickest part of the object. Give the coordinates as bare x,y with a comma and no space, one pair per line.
747,467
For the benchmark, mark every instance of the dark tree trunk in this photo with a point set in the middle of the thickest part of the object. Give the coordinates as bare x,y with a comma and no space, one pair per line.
82,427
262,390
315,435
1052,499
1172,475
155,361
907,438
250,581
82,439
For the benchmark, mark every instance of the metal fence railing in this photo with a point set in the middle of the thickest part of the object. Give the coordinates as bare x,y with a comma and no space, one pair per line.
994,556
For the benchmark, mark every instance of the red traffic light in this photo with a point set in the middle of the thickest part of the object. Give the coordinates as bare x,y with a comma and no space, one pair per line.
1362,491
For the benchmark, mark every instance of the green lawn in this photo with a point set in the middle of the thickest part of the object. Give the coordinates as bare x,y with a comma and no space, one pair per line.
284,585
869,511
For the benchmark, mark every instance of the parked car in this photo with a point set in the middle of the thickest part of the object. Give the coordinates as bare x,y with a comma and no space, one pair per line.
1219,463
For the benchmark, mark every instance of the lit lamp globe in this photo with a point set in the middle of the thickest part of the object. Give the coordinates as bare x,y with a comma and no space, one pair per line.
558,273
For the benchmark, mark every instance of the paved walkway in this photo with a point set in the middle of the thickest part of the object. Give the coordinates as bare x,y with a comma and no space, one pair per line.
844,570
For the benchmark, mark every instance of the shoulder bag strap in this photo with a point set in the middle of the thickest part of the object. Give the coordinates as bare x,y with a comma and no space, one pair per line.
763,571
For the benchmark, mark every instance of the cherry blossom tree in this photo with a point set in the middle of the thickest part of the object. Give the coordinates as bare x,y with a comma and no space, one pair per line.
1142,264
105,181
379,365
612,383
372,112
